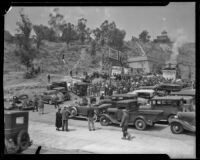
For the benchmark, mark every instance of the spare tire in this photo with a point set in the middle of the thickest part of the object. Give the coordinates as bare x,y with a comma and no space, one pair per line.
23,140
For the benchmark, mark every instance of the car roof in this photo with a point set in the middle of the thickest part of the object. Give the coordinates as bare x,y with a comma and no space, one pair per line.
14,111
59,82
147,87
168,98
143,90
82,83
127,101
185,92
50,91
58,88
124,95
169,84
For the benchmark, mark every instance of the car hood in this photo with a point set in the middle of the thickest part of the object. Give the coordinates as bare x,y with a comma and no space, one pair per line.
186,116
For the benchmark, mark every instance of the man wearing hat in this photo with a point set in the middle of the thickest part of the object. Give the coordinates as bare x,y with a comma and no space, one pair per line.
58,119
65,117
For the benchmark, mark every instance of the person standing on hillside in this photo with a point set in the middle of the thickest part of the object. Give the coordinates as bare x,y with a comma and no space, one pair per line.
49,78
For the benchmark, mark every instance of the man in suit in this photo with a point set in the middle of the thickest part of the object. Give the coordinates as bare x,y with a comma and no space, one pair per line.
65,117
90,115
124,124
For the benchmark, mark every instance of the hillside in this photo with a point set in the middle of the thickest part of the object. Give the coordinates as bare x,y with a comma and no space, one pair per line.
78,57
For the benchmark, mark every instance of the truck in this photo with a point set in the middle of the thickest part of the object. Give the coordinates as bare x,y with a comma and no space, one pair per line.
140,118
16,137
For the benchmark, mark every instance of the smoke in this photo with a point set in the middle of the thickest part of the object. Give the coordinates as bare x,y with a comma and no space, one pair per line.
179,38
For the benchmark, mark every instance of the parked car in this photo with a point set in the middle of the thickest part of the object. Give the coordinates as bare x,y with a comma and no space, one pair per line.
170,105
57,84
183,121
80,88
21,102
64,92
168,87
49,96
16,134
139,118
144,95
81,111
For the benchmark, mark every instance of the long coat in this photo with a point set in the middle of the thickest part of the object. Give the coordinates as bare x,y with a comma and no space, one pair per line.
125,119
58,120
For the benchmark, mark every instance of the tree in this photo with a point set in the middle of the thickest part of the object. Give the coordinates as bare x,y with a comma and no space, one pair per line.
69,33
40,35
144,36
109,34
82,29
26,53
93,48
8,37
24,27
57,22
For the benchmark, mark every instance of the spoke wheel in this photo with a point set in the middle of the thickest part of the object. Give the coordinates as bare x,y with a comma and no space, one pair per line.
140,124
104,121
176,128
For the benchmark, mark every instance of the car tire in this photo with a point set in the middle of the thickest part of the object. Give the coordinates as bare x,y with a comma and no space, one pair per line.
23,140
140,124
176,128
104,121
73,112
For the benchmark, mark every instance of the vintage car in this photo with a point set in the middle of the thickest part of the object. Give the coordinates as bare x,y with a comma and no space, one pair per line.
16,134
168,87
139,118
188,92
144,95
117,97
64,92
49,96
80,88
21,102
79,110
183,121
170,105
57,84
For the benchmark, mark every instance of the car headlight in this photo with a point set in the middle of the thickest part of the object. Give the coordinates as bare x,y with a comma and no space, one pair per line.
175,116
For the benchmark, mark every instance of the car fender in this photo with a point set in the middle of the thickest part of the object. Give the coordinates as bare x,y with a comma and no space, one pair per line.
107,116
185,125
143,118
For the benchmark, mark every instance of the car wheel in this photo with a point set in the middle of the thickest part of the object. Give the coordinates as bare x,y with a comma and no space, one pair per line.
170,117
50,102
73,112
176,128
23,140
104,121
140,124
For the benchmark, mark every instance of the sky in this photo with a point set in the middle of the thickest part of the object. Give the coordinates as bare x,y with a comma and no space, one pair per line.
177,18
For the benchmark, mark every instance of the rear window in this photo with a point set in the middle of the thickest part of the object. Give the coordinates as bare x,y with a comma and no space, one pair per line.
19,120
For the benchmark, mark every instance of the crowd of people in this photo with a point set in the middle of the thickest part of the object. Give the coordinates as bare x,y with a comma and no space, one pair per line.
123,84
